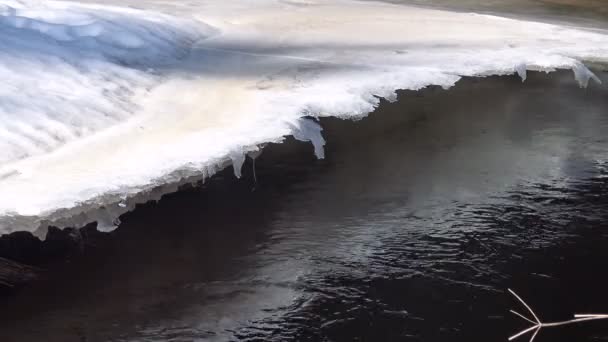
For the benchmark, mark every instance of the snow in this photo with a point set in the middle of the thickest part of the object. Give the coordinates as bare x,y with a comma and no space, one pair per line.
68,73
103,106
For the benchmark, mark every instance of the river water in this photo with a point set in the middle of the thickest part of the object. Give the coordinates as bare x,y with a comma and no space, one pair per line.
412,229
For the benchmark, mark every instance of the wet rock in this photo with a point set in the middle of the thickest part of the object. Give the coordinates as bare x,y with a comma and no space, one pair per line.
21,252
22,247
14,274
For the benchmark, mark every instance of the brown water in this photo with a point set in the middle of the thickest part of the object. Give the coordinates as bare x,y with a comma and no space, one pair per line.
412,229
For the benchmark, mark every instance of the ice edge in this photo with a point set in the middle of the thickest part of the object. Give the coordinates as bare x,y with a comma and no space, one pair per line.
106,209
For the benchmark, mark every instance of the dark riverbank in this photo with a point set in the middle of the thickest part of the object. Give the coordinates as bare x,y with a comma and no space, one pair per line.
412,229
590,13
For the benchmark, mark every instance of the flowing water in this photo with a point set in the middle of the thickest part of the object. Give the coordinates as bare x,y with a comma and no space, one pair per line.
412,229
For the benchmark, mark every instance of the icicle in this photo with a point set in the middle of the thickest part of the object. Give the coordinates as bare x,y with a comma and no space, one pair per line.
522,71
309,130
253,155
582,75
238,158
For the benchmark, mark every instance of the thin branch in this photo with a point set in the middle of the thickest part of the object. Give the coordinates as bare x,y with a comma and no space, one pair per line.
522,316
526,305
572,321
535,333
523,332
538,325
590,315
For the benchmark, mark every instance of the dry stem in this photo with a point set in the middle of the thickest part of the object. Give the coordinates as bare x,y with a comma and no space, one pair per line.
538,324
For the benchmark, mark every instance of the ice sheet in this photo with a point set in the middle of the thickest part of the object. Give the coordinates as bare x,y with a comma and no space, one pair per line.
103,107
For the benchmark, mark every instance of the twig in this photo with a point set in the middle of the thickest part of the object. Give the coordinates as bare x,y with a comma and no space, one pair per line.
590,315
538,324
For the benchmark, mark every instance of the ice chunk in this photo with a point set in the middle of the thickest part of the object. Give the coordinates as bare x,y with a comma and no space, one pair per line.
522,71
582,74
309,130
238,159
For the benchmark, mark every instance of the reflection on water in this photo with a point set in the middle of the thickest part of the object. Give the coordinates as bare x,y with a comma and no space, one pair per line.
412,228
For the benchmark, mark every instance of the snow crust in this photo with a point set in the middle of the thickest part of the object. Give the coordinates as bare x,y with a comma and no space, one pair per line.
103,106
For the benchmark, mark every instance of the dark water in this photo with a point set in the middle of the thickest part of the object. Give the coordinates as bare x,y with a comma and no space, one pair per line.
412,229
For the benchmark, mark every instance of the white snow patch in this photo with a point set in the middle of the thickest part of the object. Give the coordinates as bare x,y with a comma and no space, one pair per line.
103,107
69,72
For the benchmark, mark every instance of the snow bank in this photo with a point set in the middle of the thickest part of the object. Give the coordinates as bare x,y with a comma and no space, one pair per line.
104,107
68,73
